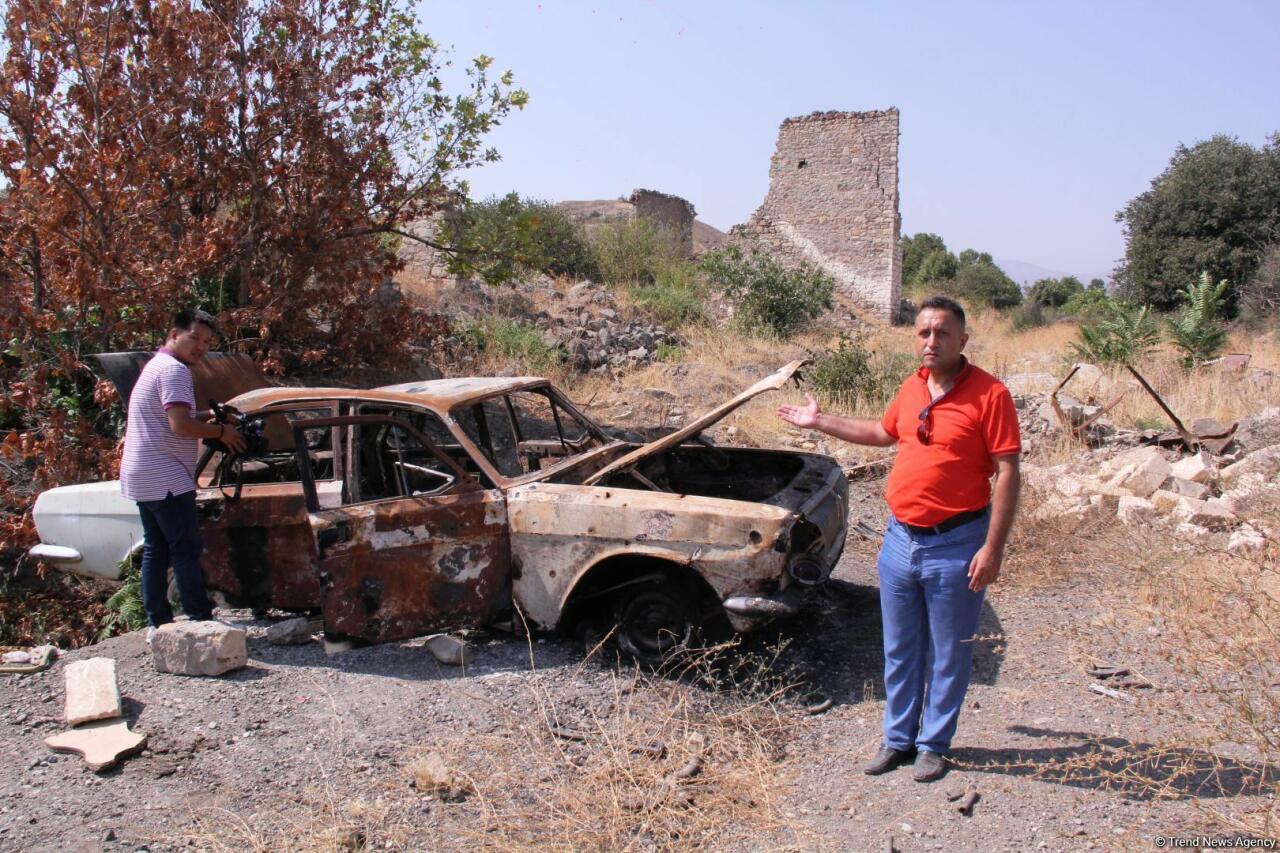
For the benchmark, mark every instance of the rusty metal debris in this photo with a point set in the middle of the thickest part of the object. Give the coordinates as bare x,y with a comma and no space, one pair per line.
1213,439
1078,431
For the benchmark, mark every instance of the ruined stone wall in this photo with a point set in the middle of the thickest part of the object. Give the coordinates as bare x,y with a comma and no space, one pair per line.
669,211
833,202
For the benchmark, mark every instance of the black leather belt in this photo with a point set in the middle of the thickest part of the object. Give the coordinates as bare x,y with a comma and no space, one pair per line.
949,523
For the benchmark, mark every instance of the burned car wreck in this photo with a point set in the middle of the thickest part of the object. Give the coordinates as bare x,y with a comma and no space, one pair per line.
451,503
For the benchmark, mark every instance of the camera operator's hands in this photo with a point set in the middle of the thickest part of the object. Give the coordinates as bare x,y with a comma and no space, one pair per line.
232,438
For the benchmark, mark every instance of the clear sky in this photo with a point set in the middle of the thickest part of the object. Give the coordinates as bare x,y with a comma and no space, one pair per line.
1025,125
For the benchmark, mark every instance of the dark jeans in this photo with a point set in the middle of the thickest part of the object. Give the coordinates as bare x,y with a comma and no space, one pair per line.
171,530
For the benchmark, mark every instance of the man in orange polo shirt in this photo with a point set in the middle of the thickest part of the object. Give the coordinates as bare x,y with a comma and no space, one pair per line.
955,427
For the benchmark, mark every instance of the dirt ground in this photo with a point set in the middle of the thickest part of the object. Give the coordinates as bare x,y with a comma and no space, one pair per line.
286,752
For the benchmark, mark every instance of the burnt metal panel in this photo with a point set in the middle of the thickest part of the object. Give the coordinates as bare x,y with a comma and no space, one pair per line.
218,376
259,550
410,566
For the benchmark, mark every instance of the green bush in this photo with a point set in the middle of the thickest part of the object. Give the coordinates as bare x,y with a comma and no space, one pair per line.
1030,315
1195,329
1087,306
634,251
676,298
124,607
1124,335
1055,292
771,297
501,239
510,339
850,375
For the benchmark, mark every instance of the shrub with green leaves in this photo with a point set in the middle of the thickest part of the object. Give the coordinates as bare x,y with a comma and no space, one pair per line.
1195,329
851,375
676,298
634,251
1030,315
502,239
771,298
1087,306
1124,335
1055,292
510,339
124,607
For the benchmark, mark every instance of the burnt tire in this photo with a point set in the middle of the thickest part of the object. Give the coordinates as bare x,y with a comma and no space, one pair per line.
656,620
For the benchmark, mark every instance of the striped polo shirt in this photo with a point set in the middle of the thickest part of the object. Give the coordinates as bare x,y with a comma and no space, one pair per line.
157,462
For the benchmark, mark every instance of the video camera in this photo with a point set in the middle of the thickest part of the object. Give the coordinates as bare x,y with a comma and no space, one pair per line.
252,427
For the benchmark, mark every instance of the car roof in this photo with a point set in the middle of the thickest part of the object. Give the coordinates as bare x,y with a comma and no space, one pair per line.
439,394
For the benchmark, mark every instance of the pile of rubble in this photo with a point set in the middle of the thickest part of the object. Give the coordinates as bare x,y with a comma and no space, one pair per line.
1193,495
585,323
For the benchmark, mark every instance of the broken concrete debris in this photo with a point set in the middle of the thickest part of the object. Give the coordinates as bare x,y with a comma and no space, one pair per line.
199,648
1149,485
93,707
453,651
91,691
290,632
102,743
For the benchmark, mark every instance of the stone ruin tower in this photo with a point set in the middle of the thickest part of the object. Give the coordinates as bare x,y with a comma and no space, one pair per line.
833,202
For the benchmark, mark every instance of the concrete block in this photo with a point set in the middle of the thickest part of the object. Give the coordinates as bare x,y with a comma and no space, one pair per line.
102,743
1142,476
199,648
1164,500
1132,511
1198,468
92,691
290,632
1205,514
1264,463
1186,488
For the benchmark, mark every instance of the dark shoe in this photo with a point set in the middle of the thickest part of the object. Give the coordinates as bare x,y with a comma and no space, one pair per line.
887,759
929,767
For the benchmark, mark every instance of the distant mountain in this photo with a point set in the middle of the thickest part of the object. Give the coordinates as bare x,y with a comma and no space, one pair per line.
1026,273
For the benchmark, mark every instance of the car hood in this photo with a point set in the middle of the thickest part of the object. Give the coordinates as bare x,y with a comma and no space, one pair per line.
218,376
772,382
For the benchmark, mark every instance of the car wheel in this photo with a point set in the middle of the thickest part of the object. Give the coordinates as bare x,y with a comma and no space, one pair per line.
654,621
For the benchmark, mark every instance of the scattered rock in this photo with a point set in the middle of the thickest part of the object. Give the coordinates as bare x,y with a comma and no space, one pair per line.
1204,514
449,650
1133,511
199,648
1197,468
92,691
1264,463
1246,542
290,632
1146,472
1186,488
102,743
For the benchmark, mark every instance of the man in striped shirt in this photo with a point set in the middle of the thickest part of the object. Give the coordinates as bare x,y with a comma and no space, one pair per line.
161,448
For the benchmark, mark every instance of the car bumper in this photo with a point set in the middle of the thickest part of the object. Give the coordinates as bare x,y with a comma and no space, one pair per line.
59,554
748,612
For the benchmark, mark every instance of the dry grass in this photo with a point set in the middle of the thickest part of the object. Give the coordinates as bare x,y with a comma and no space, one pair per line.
648,762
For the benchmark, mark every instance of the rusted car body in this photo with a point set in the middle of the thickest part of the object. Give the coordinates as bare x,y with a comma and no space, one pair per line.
426,506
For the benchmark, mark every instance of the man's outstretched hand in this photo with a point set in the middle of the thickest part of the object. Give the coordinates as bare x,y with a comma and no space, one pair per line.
805,417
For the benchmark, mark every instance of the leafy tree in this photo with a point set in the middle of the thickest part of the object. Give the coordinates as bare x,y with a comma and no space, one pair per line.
1195,329
770,296
263,155
1055,292
974,258
1098,284
914,250
503,238
1125,334
939,265
1215,208
1260,297
986,284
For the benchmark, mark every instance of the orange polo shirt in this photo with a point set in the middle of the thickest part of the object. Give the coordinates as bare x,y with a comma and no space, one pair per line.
973,423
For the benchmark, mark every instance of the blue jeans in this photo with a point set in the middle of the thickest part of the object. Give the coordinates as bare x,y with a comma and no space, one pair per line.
930,616
171,531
